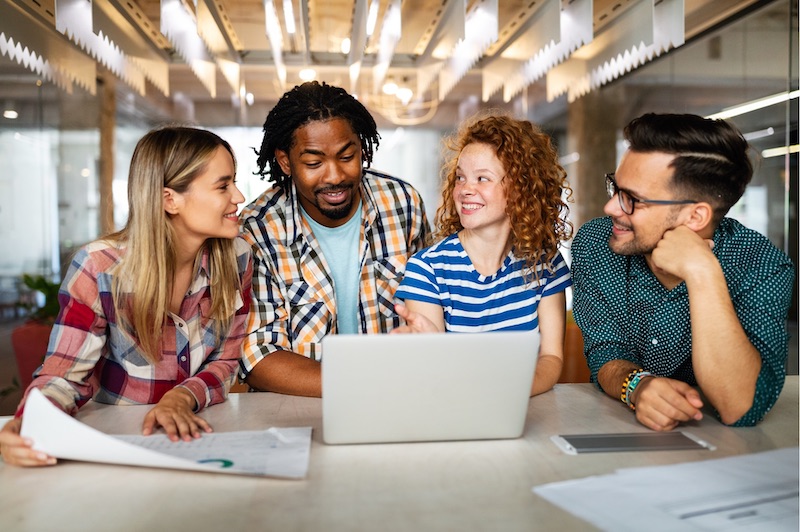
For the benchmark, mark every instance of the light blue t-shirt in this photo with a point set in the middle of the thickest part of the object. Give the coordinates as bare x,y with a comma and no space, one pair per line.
340,248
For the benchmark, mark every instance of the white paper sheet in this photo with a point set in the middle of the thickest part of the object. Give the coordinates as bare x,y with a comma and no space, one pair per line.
753,492
275,452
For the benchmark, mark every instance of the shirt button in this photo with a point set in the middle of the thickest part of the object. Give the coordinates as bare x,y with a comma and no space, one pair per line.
180,325
655,341
183,358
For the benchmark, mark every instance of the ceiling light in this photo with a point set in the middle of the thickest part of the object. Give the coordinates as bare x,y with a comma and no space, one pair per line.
755,105
346,45
778,152
288,14
10,114
307,74
275,37
760,134
390,88
404,94
372,17
569,158
249,98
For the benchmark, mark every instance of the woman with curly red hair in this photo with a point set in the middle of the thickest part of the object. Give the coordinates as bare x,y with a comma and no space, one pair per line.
496,265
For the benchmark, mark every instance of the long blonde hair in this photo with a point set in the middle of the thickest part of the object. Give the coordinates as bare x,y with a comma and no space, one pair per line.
167,157
534,184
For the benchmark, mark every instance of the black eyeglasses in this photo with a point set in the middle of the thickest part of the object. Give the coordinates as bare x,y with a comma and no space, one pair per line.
628,203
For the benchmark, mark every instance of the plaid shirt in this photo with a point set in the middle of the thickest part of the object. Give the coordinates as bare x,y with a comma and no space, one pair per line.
293,294
90,356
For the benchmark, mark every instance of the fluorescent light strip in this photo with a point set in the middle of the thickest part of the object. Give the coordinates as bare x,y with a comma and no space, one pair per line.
288,15
760,134
372,17
755,105
779,152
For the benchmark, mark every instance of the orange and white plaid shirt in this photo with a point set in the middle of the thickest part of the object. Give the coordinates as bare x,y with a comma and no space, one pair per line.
294,305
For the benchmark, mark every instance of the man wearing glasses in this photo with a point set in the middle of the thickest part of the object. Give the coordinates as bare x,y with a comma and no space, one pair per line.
678,304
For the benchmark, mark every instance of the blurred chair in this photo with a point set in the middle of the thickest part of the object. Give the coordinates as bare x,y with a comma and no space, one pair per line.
575,368
239,387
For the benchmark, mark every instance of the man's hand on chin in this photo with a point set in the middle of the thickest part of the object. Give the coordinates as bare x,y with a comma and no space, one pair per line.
682,252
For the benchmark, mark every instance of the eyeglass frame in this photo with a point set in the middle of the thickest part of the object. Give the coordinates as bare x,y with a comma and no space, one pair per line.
613,189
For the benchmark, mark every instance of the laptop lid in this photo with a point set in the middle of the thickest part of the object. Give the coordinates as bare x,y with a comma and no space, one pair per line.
426,387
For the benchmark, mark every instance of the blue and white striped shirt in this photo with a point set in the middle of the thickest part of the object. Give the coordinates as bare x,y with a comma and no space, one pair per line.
443,274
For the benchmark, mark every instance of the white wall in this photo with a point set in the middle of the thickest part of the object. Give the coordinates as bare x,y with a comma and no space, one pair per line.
28,204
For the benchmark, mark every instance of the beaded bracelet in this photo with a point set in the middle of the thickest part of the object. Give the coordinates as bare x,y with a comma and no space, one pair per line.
637,378
624,394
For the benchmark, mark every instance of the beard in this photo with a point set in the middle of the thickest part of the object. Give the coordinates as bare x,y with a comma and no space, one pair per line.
630,247
641,244
334,212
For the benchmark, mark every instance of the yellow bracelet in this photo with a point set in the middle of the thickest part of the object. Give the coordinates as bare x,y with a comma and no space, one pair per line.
624,394
632,386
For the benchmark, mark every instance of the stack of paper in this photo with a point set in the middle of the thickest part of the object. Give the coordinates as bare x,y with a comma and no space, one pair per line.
754,492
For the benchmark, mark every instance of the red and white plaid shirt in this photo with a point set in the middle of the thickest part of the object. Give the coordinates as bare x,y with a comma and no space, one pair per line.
90,356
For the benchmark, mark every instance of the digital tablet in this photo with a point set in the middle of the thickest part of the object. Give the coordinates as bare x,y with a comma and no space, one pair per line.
630,441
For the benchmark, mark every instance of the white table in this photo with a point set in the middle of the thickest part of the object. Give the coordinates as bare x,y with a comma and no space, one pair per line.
480,485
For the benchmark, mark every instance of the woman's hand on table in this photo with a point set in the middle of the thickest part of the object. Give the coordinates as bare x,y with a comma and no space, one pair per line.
175,414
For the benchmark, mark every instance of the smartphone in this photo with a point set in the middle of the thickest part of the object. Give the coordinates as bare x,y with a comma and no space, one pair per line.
630,441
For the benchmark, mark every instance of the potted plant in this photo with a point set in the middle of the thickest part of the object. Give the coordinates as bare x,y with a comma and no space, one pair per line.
30,339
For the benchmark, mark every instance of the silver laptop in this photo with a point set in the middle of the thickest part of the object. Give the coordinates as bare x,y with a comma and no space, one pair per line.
426,387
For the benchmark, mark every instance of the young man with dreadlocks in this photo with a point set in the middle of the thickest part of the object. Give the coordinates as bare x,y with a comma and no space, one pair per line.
330,238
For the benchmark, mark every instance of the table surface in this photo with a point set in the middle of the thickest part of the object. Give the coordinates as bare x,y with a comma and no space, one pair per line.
474,485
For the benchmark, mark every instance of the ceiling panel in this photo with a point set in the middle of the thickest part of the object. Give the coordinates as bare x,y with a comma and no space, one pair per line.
242,25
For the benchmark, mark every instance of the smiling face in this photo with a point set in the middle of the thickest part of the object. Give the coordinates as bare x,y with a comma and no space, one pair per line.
207,209
479,193
643,175
325,164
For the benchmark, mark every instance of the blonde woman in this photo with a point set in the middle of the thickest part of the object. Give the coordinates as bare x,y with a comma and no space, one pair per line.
496,265
155,313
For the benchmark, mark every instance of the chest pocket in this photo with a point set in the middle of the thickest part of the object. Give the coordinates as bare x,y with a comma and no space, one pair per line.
388,273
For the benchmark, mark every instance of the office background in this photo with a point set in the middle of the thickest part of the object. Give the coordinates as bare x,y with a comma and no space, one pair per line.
78,89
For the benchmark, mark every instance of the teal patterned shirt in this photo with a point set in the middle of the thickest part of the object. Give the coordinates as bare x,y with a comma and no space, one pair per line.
625,313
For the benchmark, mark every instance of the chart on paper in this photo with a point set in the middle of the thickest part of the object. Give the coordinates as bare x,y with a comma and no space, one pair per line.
251,451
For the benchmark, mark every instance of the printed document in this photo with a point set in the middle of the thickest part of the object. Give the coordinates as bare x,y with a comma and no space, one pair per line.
753,492
275,452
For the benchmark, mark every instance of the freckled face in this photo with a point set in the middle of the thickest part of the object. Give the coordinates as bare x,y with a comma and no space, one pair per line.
479,194
325,163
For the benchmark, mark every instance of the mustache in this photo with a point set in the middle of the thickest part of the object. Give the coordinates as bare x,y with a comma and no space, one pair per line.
332,189
620,224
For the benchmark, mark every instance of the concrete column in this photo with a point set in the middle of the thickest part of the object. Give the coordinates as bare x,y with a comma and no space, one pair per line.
107,88
594,122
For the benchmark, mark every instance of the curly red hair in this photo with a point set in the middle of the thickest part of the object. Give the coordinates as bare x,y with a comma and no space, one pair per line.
534,185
